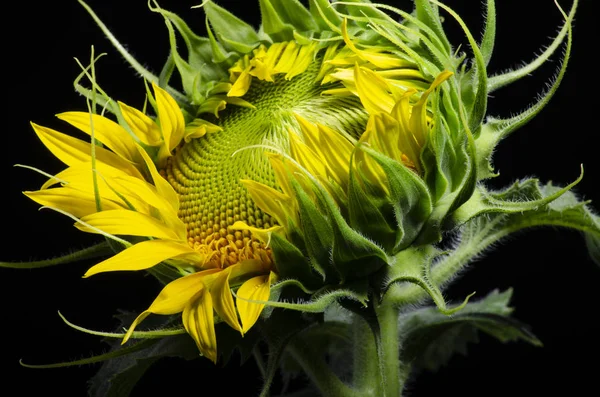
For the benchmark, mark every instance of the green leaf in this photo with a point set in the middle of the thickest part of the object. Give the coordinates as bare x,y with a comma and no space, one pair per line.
431,338
96,251
230,341
283,326
117,377
593,245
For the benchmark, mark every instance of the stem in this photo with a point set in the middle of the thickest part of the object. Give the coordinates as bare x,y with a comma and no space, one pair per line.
318,371
394,374
366,376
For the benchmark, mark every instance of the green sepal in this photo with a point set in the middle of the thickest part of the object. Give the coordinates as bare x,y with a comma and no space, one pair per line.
429,14
219,55
353,255
413,266
481,232
317,233
325,15
497,129
489,34
476,106
431,338
511,76
281,19
232,32
365,213
522,196
361,8
409,196
97,251
291,262
355,291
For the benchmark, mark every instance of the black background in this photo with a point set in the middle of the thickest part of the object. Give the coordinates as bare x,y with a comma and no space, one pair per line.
556,284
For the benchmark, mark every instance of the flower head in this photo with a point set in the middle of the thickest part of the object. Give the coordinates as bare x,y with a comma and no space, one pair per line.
317,151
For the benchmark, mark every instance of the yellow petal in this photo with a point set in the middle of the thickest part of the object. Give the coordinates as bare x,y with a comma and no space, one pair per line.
126,222
306,157
106,131
163,187
110,187
269,200
173,298
75,202
257,289
382,61
263,235
72,151
288,57
198,128
142,126
241,85
172,124
373,91
199,322
223,300
418,119
144,255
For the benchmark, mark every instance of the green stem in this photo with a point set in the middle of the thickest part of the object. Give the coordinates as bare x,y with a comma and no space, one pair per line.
318,371
389,350
366,376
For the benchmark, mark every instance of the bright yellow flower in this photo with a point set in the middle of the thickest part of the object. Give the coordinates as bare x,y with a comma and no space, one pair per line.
131,198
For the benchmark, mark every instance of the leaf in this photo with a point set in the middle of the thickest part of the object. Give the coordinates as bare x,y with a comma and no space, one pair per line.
118,376
433,338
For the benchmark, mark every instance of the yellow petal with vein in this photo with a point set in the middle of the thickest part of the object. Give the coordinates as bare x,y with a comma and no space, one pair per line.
173,298
223,300
269,200
170,117
144,255
75,202
257,289
263,235
126,222
199,322
163,187
373,91
72,151
142,126
106,131
241,85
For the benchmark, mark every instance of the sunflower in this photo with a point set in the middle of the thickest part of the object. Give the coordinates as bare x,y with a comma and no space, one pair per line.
123,194
322,150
